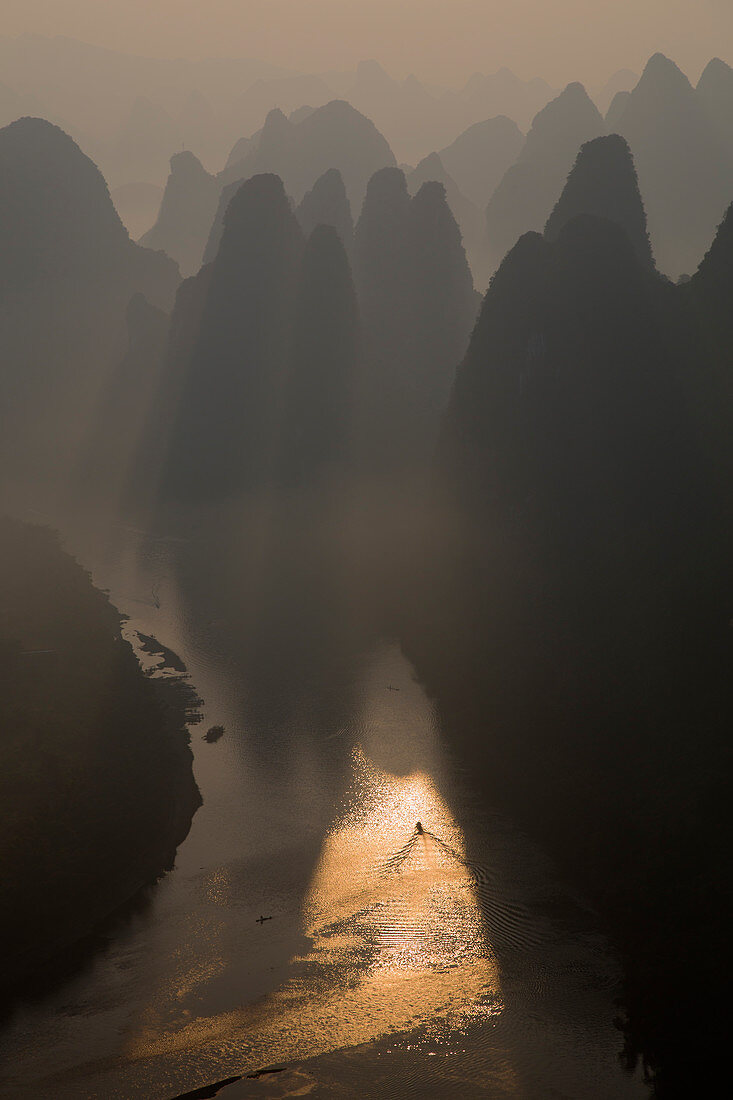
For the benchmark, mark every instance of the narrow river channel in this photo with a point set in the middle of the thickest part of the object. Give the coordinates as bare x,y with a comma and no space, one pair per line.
413,943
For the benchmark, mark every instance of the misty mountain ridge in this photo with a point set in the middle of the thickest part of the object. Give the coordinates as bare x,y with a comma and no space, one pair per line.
681,142
525,196
155,122
301,152
685,172
715,93
468,216
186,213
191,216
92,92
409,263
238,400
235,369
479,157
333,136
67,273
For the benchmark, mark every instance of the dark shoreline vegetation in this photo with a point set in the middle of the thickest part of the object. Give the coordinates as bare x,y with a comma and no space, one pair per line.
97,786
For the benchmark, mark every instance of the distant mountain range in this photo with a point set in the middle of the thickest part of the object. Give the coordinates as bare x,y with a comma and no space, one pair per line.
133,113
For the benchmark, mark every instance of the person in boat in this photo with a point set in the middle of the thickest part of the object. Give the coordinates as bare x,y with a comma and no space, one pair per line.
419,829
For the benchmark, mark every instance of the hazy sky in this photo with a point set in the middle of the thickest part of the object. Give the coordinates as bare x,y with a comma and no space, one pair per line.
443,40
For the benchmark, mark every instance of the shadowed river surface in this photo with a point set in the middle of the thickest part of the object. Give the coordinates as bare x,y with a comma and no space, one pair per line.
437,959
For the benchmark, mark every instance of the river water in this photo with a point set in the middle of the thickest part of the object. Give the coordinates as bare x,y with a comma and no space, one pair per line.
439,959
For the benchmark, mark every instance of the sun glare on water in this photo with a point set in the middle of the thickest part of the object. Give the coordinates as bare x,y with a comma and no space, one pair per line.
395,931
392,876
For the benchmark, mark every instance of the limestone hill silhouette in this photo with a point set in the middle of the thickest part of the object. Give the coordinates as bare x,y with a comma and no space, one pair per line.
382,263
224,439
333,136
213,238
445,303
468,216
186,213
584,577
409,263
479,157
683,172
327,204
525,196
275,138
319,404
714,92
67,272
300,152
258,389
236,412
74,226
536,334
603,182
238,153
240,166
142,493
384,276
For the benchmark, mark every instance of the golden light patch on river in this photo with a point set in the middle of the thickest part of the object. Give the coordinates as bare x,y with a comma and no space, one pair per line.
397,941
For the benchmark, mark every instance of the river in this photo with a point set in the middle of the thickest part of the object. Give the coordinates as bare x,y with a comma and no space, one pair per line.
414,943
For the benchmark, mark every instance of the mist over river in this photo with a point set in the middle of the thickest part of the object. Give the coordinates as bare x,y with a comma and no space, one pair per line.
414,942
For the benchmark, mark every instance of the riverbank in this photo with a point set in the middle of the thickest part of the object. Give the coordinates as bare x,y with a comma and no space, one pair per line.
97,788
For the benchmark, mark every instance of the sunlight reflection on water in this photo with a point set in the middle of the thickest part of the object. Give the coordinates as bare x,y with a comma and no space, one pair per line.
409,890
395,933
378,974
